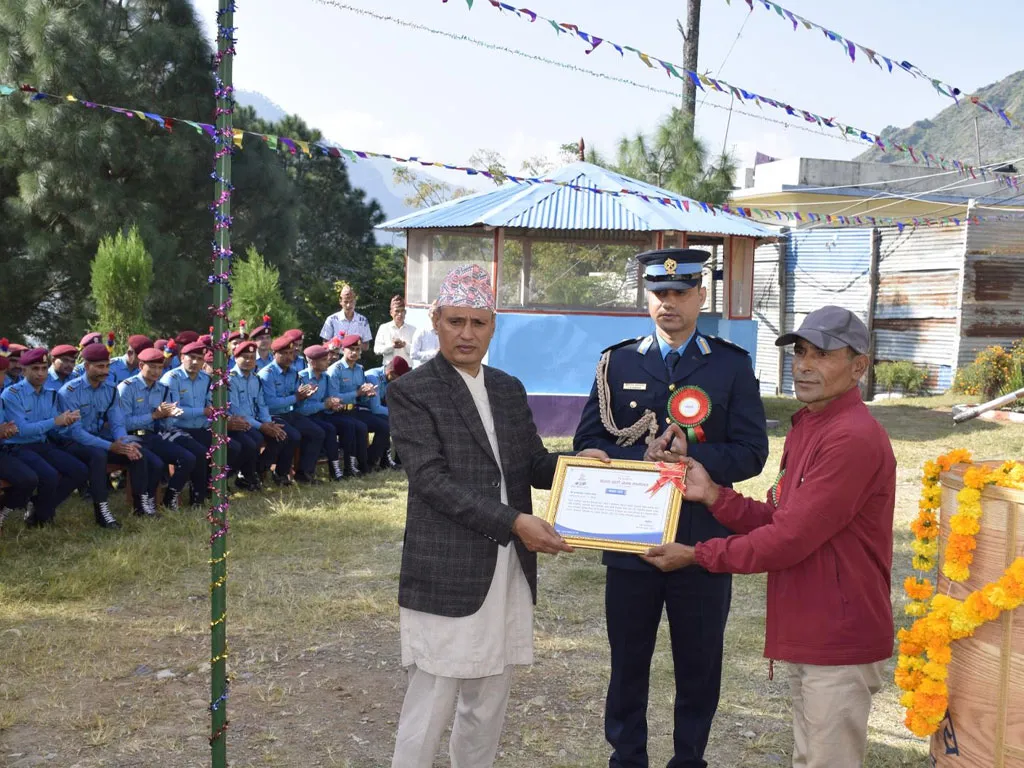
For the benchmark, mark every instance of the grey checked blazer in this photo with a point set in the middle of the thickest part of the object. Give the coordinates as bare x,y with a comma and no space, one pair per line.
455,519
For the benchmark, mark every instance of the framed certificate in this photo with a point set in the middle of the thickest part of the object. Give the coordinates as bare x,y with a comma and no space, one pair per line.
609,506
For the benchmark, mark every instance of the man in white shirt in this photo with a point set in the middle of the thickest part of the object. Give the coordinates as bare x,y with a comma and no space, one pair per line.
394,339
469,566
347,320
425,342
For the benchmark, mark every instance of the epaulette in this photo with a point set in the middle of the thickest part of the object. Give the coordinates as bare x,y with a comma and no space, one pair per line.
727,343
70,386
623,343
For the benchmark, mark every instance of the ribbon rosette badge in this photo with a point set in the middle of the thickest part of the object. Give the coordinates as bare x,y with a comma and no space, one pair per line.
689,407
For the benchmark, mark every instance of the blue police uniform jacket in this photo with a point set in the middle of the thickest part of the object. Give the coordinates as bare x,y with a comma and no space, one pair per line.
263,362
102,420
119,370
138,401
33,412
54,382
314,403
736,439
346,381
246,395
279,388
379,378
191,395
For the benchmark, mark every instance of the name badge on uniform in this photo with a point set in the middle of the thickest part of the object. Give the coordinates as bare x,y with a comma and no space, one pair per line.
638,387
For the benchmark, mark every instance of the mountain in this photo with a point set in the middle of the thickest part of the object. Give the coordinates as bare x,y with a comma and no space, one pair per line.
372,176
950,134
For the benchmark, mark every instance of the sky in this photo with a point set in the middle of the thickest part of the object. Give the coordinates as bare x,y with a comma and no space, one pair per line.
374,85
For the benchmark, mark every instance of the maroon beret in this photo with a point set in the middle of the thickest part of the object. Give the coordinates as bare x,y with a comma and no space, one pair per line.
15,350
4,363
186,337
263,330
399,365
350,340
206,339
294,334
236,335
244,346
160,344
315,352
64,349
151,355
195,348
91,338
96,353
139,342
33,356
282,343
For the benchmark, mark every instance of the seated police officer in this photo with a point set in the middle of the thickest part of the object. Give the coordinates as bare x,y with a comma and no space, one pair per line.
250,423
322,407
36,415
349,385
706,386
128,364
21,480
380,378
62,368
284,392
147,407
100,438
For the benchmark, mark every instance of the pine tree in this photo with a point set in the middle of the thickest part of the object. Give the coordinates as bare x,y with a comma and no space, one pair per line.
256,291
122,274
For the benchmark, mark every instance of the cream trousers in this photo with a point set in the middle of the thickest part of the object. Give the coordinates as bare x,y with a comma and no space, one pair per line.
479,705
830,713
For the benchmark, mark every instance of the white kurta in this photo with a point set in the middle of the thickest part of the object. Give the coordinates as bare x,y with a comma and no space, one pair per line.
384,344
497,635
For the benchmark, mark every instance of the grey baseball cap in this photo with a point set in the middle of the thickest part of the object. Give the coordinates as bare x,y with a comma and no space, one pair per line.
830,328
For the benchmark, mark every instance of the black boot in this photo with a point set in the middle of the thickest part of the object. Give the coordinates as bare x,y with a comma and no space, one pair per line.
104,517
335,474
352,467
171,500
304,479
283,479
388,461
145,505
4,512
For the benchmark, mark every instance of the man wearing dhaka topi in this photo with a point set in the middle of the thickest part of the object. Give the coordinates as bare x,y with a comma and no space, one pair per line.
469,565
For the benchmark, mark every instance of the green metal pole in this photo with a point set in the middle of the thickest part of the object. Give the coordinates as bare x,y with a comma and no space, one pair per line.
218,516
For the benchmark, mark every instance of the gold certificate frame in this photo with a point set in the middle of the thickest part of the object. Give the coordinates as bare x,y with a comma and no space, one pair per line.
595,505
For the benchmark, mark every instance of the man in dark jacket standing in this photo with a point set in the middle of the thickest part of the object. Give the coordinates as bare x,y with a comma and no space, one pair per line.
712,386
469,565
825,538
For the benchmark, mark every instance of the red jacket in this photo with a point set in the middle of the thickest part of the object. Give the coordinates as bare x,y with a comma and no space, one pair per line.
825,540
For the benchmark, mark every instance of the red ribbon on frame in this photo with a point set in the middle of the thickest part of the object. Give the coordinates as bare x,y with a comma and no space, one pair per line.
674,474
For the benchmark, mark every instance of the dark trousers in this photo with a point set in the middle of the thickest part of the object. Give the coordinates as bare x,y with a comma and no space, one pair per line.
353,436
22,479
330,445
201,440
697,604
176,454
204,437
310,439
381,435
248,444
59,474
144,473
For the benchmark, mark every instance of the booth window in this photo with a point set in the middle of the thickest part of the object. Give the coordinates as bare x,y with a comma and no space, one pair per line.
433,255
560,275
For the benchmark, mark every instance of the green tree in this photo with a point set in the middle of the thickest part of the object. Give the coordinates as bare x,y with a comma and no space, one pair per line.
256,291
673,158
122,274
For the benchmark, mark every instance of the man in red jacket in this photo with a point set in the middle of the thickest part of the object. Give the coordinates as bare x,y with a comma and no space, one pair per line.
824,536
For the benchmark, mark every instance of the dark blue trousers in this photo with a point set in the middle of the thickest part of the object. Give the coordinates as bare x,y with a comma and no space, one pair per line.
697,604
22,479
247,447
381,435
144,473
353,435
59,474
310,439
169,453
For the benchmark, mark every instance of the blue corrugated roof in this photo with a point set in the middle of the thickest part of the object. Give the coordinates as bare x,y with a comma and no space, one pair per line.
548,206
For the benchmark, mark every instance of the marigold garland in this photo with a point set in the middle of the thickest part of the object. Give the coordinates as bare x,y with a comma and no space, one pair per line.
925,649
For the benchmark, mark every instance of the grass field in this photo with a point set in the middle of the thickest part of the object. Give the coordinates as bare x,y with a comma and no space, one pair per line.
104,635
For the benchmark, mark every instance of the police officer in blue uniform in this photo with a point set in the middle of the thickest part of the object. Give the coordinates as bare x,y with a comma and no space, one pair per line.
147,406
264,339
92,337
348,383
100,438
284,393
320,406
128,364
22,480
719,404
62,368
35,413
250,423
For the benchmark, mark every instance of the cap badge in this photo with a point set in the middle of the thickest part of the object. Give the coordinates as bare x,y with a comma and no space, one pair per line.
670,266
